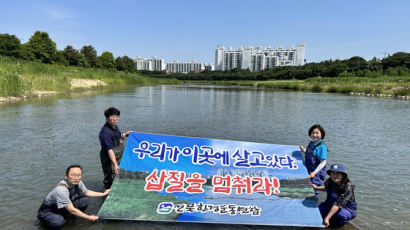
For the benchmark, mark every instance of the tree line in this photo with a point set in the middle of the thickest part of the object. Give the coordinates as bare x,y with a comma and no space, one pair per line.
397,64
40,47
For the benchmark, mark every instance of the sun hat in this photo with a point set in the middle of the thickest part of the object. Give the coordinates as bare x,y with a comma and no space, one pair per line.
337,168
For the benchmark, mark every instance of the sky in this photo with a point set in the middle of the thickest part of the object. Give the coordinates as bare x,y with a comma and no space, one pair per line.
187,30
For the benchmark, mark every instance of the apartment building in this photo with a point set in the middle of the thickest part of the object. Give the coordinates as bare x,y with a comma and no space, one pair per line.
256,58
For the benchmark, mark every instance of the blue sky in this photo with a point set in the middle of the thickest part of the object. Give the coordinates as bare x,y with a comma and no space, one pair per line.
187,30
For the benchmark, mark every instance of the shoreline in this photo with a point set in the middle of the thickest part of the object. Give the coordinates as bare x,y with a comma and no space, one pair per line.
78,85
21,79
391,90
380,95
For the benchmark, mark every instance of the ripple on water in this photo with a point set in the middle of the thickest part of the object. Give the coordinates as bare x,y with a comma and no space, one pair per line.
368,135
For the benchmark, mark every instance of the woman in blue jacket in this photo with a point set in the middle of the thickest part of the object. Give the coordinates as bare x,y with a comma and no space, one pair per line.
316,156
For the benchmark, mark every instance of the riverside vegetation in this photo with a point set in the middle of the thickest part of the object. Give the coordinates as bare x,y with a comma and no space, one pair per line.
378,77
381,86
24,78
38,66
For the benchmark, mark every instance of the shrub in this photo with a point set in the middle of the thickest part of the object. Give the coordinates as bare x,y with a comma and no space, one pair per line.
347,89
12,85
367,90
332,89
401,91
317,88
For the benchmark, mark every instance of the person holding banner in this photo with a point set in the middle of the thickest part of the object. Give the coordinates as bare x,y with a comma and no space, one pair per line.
69,197
112,146
315,156
340,205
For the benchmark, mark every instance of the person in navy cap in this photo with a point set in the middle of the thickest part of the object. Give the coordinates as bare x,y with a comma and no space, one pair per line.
340,204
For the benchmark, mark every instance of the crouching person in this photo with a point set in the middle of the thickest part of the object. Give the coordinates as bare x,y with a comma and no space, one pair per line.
69,197
340,204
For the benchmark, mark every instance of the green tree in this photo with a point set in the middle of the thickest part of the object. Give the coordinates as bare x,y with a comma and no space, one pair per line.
397,71
26,52
90,54
106,60
9,45
82,61
397,59
119,64
42,47
60,58
74,57
125,64
129,64
375,64
402,71
71,55
356,63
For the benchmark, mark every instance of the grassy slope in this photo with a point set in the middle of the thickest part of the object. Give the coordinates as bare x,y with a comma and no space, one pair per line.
18,78
395,86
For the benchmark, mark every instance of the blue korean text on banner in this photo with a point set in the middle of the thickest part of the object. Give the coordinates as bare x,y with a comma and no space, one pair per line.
186,179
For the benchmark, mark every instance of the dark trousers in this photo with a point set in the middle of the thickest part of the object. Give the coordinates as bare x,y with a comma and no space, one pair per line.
340,218
107,169
107,166
54,218
318,180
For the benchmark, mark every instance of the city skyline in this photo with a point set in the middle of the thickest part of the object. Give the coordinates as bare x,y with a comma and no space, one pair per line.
258,58
159,64
187,30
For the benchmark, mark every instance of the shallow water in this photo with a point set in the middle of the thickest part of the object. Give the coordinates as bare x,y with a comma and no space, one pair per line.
40,137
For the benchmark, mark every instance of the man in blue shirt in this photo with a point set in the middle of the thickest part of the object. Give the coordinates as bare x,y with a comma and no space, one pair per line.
111,145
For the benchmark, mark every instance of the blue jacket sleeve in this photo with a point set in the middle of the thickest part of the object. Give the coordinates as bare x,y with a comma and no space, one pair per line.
321,152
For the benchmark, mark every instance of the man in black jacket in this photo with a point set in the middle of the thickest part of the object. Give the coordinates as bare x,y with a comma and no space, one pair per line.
111,145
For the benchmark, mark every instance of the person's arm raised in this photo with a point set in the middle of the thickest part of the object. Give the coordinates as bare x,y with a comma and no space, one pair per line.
126,134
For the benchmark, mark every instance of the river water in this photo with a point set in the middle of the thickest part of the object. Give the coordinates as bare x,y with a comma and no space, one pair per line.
40,137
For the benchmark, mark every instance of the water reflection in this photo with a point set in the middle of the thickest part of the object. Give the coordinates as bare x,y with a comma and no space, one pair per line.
42,136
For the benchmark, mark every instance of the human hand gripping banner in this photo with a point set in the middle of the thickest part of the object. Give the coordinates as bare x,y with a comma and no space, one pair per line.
186,179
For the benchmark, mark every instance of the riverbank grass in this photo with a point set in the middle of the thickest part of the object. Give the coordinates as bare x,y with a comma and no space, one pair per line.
23,78
19,78
389,86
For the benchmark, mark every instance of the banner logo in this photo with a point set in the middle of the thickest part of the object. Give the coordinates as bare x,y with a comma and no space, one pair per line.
165,208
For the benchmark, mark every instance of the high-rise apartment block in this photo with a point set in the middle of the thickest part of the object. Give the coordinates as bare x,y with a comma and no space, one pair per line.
153,64
186,67
209,67
256,58
156,64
